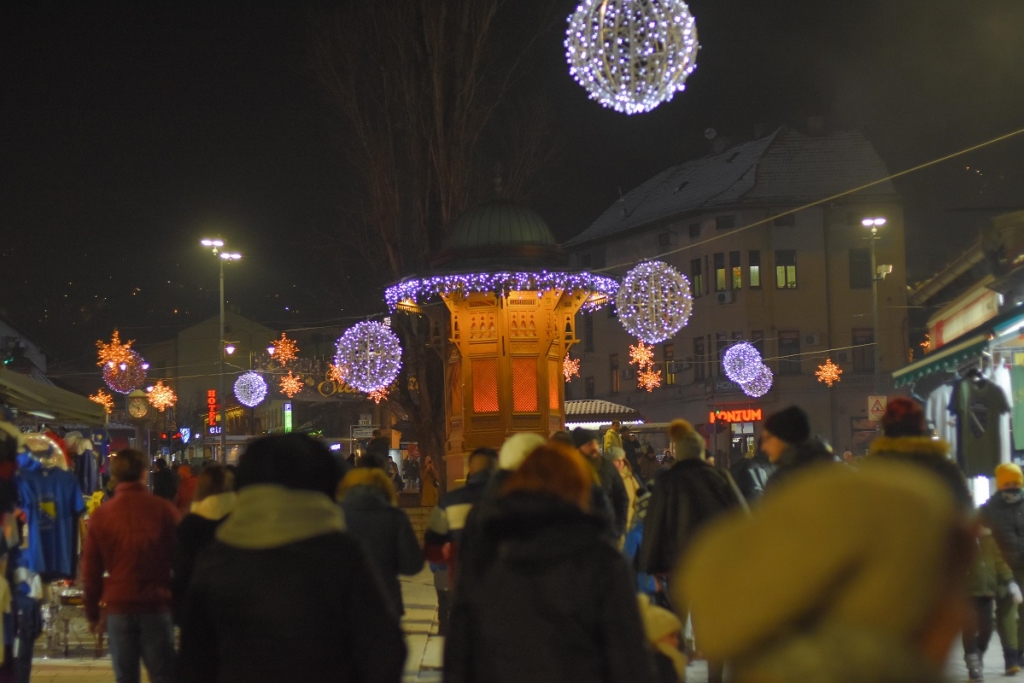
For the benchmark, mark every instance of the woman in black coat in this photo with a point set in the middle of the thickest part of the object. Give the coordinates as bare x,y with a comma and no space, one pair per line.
283,593
368,501
550,598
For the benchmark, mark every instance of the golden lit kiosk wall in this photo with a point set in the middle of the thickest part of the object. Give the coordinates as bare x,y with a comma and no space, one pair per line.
509,310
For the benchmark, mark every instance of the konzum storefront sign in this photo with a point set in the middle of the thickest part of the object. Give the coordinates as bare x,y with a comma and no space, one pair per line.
735,416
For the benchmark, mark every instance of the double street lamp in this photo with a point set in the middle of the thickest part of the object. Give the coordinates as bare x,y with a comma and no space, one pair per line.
873,224
217,247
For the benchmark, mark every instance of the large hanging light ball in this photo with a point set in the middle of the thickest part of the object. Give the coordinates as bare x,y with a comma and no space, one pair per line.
742,362
372,354
654,301
631,55
126,376
250,389
760,385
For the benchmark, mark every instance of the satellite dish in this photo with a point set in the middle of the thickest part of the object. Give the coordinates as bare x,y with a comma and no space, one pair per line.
710,133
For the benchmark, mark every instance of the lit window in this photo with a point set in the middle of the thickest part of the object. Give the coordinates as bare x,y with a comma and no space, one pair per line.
755,269
785,269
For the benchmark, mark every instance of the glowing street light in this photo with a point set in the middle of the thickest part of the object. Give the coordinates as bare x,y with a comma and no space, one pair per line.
873,224
216,244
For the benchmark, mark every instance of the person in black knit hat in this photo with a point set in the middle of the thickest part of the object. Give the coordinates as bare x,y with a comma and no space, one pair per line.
786,440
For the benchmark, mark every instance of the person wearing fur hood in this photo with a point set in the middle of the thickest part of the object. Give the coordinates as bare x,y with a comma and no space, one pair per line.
905,437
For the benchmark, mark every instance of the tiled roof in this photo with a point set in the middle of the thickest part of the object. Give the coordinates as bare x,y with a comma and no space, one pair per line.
597,409
785,167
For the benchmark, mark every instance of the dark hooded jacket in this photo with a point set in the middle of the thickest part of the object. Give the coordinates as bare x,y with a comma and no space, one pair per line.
751,475
798,457
555,602
1004,515
685,498
387,536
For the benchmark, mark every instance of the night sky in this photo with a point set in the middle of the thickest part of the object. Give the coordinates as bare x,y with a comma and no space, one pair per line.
127,135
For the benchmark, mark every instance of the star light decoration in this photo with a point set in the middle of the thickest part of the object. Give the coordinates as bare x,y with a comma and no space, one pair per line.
378,395
742,362
654,301
104,399
371,353
285,350
828,372
642,356
162,396
116,352
416,290
126,376
336,374
570,367
250,389
291,384
631,55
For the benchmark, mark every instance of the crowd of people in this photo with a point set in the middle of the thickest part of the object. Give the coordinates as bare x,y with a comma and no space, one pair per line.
566,558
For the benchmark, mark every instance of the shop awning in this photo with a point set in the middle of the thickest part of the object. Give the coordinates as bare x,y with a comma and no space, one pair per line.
948,358
50,402
595,410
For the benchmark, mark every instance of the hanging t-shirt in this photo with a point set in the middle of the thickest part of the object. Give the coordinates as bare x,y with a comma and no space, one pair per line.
978,406
52,501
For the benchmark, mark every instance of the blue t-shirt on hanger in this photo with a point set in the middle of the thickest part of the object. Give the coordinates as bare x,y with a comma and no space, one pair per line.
52,501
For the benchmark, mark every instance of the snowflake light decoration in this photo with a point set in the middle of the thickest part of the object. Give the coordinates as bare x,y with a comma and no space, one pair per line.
742,362
760,385
250,389
828,372
162,396
372,354
104,399
126,377
570,367
654,301
378,394
291,384
631,55
648,379
285,350
115,352
641,355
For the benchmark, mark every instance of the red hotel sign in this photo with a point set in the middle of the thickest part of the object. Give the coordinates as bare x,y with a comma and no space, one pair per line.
743,415
211,406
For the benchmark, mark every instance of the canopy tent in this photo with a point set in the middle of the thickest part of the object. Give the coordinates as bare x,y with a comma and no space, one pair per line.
47,401
594,412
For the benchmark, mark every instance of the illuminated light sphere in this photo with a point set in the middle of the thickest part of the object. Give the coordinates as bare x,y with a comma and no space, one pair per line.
285,350
126,377
828,372
570,367
372,354
742,362
250,389
631,55
654,301
104,399
162,396
648,379
291,384
760,385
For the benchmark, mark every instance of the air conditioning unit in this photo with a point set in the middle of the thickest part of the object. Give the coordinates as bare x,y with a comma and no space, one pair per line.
812,339
725,297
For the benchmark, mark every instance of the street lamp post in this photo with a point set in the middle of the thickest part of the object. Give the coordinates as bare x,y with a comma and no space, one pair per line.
216,245
874,224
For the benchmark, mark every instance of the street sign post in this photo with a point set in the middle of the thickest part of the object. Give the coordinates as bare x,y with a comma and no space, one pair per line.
876,407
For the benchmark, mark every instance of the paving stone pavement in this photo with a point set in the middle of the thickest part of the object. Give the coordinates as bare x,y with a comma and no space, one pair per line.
423,664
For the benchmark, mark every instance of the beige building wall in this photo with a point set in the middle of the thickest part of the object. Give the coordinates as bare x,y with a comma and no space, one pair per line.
823,308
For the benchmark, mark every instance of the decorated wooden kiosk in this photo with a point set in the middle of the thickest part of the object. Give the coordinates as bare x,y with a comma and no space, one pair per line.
509,313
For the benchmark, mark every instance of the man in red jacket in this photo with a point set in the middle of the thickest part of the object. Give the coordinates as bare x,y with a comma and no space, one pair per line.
131,539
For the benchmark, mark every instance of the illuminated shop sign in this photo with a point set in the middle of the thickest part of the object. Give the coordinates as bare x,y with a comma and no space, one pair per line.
741,415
